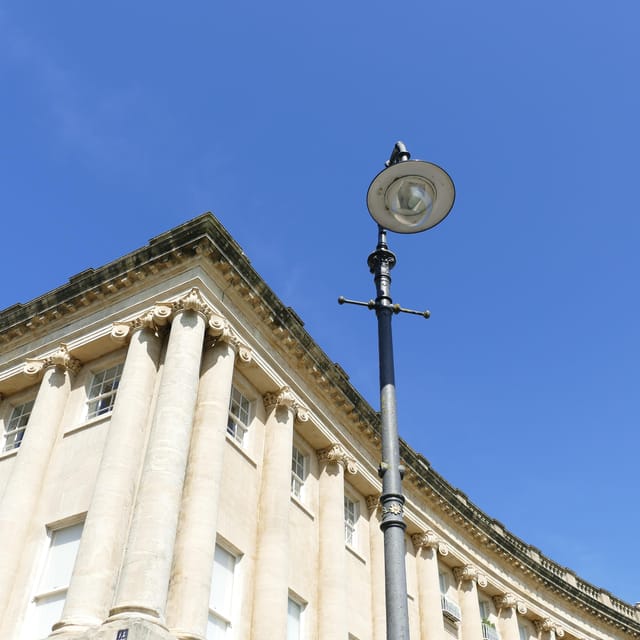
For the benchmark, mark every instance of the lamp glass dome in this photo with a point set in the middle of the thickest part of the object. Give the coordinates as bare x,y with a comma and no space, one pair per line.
410,196
410,200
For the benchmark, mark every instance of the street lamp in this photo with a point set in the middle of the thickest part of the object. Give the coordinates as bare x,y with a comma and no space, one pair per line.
408,196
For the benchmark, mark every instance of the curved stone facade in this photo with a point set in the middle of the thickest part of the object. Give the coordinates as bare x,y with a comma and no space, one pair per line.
185,462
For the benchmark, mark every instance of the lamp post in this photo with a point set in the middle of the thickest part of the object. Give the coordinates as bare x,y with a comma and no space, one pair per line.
408,196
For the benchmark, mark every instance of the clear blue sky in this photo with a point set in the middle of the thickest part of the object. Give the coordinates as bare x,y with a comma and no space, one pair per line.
121,120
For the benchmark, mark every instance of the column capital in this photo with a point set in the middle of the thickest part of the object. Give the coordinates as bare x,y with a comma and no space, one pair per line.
219,330
284,397
373,502
429,540
191,301
60,358
337,453
154,320
509,601
470,573
549,625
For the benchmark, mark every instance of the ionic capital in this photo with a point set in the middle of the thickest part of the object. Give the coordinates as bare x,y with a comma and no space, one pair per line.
220,331
470,573
337,453
509,601
548,625
193,301
61,359
153,320
429,540
284,398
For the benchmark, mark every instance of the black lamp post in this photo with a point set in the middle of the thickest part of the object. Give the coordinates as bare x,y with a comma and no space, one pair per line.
409,196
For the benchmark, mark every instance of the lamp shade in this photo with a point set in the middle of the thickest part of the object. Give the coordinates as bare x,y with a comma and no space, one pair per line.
410,196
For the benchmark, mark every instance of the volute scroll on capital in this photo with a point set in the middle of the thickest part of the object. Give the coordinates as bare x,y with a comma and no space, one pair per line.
284,398
509,601
219,329
154,320
337,453
469,572
60,358
548,625
429,540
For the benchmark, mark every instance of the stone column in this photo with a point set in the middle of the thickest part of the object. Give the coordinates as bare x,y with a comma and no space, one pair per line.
144,579
271,588
190,585
376,552
508,607
332,578
471,623
427,547
95,573
25,482
548,629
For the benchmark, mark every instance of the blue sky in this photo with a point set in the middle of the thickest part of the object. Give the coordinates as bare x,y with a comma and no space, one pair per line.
121,120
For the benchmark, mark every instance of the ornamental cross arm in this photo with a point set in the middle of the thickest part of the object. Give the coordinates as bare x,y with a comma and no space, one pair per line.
374,304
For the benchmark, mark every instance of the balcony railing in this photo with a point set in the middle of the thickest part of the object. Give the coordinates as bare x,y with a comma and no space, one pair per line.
489,632
450,609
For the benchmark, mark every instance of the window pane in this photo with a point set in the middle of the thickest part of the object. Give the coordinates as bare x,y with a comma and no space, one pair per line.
48,612
102,394
293,620
216,628
14,430
350,520
60,559
298,472
239,415
222,582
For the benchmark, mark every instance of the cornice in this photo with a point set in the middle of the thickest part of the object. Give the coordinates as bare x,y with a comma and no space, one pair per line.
204,238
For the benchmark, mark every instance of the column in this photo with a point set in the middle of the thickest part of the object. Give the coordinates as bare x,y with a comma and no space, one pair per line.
271,587
25,482
471,623
144,579
427,546
508,607
376,552
95,573
332,578
190,584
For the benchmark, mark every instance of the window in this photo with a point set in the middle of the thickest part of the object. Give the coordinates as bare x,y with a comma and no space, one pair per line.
450,609
525,630
294,620
102,394
14,430
489,631
350,521
239,415
54,581
444,583
221,595
299,465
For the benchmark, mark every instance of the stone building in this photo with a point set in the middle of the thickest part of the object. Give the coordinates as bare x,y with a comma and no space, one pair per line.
179,459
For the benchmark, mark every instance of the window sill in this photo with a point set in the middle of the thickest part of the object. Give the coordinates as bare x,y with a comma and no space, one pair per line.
351,550
9,454
302,506
238,447
88,424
